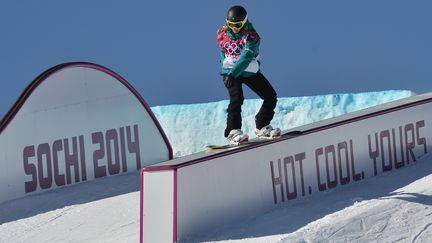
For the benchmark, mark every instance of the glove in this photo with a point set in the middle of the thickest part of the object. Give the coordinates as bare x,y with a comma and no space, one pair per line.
228,80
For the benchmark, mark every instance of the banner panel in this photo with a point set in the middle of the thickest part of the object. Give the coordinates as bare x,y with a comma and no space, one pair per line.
76,122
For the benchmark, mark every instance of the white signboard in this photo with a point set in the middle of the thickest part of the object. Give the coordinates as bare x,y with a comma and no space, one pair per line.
76,122
210,190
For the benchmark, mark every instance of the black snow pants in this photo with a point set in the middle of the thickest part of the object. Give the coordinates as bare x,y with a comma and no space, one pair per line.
261,86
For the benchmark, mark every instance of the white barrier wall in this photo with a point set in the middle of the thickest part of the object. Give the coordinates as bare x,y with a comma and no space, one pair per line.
207,190
76,122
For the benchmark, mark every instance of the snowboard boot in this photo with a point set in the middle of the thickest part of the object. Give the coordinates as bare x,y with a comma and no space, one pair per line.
268,132
237,137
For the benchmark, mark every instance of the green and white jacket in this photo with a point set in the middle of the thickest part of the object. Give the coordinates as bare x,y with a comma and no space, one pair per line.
239,52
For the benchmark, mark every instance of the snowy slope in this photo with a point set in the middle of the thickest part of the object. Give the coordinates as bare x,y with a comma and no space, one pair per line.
396,206
105,210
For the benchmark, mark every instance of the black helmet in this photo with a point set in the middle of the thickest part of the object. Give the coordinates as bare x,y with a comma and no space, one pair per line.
236,14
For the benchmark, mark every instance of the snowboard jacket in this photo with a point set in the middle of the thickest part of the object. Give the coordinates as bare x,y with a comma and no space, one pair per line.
239,52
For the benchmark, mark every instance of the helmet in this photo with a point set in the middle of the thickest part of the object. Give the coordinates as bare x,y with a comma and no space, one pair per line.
236,14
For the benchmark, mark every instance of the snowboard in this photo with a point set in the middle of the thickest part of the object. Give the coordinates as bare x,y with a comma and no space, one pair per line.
287,135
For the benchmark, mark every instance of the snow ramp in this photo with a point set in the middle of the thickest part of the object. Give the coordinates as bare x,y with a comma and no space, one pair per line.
191,194
76,122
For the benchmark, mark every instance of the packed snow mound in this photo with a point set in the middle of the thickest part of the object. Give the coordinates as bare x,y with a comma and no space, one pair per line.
191,127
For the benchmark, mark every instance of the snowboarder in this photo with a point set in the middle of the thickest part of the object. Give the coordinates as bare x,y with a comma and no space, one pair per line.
239,43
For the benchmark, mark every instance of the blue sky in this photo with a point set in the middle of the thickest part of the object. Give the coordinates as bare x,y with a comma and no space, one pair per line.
167,49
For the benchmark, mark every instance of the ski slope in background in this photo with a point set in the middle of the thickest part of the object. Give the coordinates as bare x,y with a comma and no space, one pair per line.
396,206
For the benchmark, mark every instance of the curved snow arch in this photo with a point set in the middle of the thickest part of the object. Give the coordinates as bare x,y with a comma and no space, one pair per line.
76,122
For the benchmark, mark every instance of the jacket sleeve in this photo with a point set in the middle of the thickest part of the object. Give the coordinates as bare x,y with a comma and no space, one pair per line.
222,56
249,52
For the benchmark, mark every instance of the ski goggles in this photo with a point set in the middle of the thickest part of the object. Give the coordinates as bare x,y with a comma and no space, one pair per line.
236,25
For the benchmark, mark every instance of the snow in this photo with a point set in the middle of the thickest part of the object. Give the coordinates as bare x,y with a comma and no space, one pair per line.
105,210
203,124
393,207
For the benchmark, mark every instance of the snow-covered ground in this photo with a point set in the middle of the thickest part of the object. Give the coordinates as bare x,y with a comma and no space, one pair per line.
393,207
